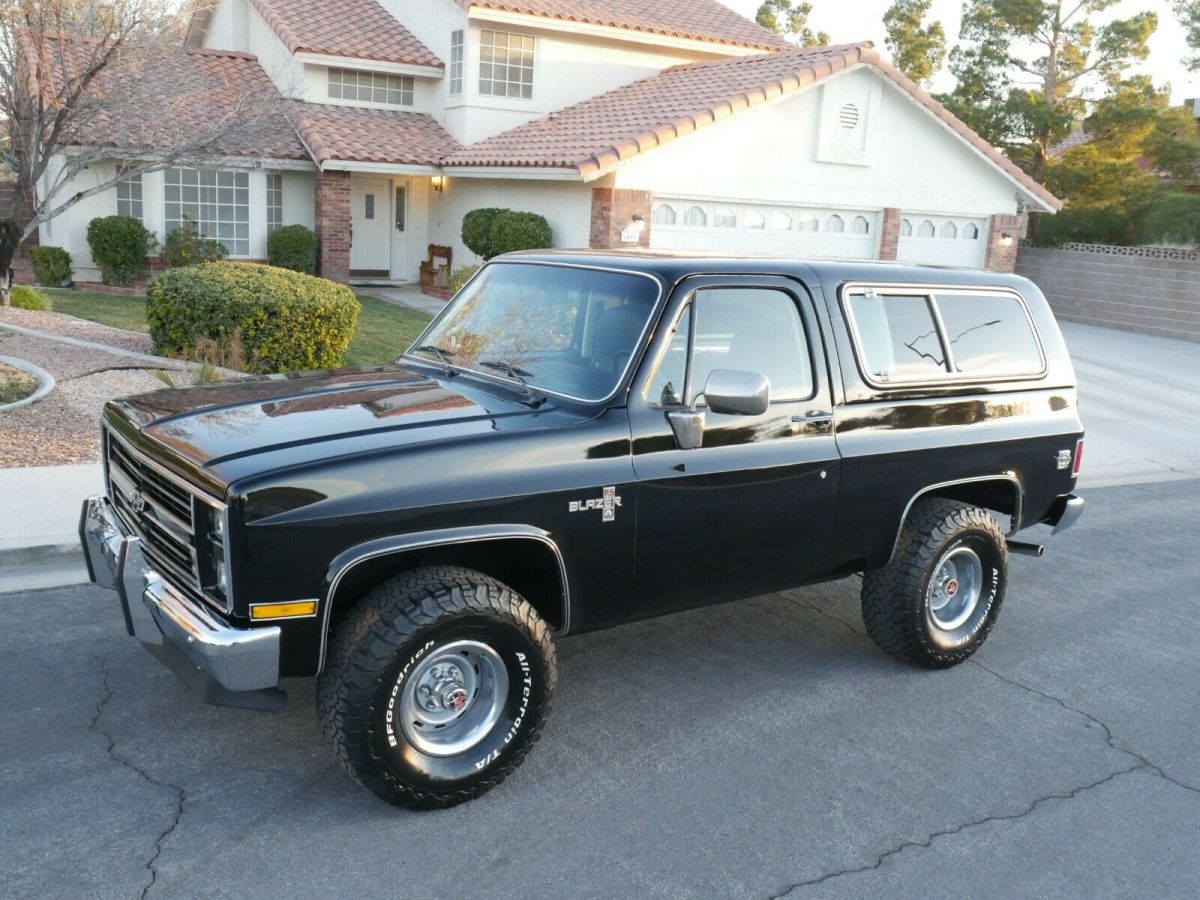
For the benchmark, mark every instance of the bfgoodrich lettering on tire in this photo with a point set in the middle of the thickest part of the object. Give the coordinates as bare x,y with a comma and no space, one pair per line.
437,686
936,601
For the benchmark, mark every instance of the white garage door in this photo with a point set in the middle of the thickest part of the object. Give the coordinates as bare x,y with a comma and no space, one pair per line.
772,230
942,241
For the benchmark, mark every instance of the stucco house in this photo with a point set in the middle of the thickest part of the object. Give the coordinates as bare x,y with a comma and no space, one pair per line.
675,124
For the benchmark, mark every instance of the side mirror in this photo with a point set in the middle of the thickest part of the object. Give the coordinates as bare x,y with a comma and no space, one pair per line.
737,393
727,391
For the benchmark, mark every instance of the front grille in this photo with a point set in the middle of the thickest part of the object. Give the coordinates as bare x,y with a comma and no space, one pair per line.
158,510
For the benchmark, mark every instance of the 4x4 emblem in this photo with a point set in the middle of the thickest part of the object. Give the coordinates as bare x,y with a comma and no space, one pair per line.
608,503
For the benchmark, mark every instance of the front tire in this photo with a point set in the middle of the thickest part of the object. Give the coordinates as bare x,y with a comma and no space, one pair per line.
437,685
937,599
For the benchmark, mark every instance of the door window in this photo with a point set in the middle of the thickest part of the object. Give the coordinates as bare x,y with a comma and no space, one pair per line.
400,208
749,329
368,206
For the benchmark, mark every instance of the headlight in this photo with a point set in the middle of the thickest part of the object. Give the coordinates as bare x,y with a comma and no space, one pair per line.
212,546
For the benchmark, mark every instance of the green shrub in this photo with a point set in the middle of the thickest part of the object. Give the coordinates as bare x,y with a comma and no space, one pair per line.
120,245
519,231
285,320
1085,224
51,265
1172,218
186,246
24,297
461,276
293,247
477,230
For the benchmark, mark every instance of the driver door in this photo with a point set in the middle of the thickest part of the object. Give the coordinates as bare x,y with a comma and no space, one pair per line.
750,510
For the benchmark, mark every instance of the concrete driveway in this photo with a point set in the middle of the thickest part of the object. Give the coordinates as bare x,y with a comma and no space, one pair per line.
759,749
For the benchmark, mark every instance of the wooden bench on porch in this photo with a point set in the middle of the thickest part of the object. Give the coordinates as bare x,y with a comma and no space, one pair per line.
435,272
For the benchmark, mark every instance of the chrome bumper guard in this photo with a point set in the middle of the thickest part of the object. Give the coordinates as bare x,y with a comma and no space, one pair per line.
230,666
1064,513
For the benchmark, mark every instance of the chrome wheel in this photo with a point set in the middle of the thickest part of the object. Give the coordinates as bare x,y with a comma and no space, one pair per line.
955,589
454,698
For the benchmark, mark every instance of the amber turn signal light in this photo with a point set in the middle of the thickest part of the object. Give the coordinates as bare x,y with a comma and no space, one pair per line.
283,610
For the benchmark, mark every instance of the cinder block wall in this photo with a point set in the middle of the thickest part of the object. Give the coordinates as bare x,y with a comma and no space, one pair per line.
1152,290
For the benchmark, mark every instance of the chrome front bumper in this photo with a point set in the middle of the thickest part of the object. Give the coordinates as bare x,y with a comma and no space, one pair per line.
181,632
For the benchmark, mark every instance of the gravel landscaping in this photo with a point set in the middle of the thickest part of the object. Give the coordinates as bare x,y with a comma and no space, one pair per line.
69,326
62,427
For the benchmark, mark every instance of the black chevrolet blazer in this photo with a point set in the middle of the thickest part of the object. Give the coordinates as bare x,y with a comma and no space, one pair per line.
579,440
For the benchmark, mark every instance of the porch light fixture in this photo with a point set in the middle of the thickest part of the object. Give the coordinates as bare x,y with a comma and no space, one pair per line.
1006,240
438,182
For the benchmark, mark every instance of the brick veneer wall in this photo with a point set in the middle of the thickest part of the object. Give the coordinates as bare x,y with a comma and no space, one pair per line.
612,210
1130,288
1001,258
889,233
334,226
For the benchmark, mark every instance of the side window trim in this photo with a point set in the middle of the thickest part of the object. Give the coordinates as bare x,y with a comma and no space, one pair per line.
931,292
688,305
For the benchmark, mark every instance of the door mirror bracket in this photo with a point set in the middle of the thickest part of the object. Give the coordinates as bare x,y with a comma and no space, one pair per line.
728,391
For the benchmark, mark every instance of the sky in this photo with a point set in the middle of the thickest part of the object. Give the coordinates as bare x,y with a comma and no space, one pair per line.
847,21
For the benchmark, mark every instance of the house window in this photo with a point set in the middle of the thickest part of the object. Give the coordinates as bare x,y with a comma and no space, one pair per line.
905,228
949,230
371,87
456,61
218,201
860,225
506,65
274,201
129,197
695,216
835,224
664,214
926,230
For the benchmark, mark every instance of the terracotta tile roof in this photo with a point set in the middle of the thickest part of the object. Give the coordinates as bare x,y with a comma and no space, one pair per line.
220,103
593,136
360,29
702,20
353,134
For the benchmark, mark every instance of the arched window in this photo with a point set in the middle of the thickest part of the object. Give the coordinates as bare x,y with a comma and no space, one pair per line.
695,216
860,225
835,224
664,214
905,228
781,221
926,229
970,232
754,219
807,222
949,230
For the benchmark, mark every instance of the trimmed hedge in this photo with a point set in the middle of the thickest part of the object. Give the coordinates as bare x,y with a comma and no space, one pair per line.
477,230
120,245
25,297
287,321
51,265
520,231
293,247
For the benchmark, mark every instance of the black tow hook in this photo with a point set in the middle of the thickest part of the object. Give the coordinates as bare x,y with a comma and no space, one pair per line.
1026,549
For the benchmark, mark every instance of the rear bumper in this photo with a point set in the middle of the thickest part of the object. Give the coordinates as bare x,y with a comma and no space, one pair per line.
191,639
1064,513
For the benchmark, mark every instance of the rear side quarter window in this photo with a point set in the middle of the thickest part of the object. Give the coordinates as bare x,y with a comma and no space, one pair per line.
921,335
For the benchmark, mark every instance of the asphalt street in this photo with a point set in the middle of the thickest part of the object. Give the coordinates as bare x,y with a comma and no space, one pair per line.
758,749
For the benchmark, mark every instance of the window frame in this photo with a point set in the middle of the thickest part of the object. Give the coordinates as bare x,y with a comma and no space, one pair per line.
458,53
491,80
274,204
215,205
931,291
406,87
688,304
131,202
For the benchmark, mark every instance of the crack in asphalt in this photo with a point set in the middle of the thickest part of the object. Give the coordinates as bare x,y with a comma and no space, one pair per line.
180,793
804,604
1139,764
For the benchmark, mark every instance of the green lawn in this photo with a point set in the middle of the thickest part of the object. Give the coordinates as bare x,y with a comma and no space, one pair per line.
384,330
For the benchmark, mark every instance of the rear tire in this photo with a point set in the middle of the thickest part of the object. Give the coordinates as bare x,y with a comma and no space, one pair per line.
937,599
437,685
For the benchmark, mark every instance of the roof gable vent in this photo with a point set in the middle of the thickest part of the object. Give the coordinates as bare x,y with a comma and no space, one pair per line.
849,116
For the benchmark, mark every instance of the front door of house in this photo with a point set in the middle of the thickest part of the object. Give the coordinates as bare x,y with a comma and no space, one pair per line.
401,201
371,215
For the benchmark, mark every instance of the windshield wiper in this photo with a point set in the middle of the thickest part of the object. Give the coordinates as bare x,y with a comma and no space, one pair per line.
441,353
534,398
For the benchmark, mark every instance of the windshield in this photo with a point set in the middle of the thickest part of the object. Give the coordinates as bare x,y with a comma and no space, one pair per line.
566,330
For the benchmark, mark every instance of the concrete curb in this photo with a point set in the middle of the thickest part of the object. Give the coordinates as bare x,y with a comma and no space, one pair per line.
62,551
45,382
160,362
